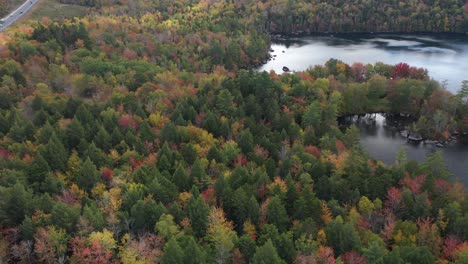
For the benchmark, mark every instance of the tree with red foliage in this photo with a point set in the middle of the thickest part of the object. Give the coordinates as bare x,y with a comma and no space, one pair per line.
106,174
394,201
4,153
325,255
313,151
209,195
353,257
413,183
135,163
126,121
400,71
449,247
94,253
241,160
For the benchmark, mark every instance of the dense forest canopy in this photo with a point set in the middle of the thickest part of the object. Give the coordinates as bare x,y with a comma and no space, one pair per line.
137,134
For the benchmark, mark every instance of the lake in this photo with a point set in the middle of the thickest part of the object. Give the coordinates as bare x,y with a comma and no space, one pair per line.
383,141
445,56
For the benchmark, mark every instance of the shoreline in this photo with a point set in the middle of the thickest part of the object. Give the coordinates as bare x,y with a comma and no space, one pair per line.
280,35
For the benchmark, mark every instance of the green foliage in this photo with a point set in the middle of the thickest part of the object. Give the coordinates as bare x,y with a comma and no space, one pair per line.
188,158
198,212
65,217
87,176
266,254
342,236
276,214
15,204
55,153
173,253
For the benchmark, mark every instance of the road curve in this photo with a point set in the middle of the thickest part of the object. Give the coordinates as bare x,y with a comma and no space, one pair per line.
16,14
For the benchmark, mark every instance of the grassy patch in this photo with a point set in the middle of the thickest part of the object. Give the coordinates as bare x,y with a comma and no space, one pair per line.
6,6
52,9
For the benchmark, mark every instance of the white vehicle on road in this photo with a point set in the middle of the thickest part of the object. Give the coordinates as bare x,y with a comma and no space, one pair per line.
16,14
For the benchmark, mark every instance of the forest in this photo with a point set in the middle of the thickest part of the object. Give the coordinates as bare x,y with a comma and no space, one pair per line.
139,133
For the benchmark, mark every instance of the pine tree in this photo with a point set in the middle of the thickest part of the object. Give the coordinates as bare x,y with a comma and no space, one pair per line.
56,154
102,139
84,115
246,141
74,133
198,212
214,154
173,253
169,133
181,179
267,254
88,175
38,170
145,214
15,204
116,136
189,153
276,214
198,175
65,216
146,133
193,252
95,155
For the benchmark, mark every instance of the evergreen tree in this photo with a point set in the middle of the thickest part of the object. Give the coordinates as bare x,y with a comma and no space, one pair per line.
267,254
342,237
276,214
169,133
56,154
38,171
65,216
173,254
193,252
15,204
102,139
74,133
164,190
246,141
45,133
95,216
146,133
198,212
181,179
145,214
189,153
88,175
95,155
247,247
214,154
198,175
84,115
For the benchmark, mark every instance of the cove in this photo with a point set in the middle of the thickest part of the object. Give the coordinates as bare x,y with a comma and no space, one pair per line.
382,140
445,56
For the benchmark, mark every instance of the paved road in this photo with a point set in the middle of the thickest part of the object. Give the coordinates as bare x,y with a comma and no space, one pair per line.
16,14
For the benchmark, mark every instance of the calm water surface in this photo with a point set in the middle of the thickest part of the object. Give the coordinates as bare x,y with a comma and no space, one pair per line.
382,141
445,56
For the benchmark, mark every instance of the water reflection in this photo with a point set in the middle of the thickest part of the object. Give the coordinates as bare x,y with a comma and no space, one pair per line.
445,56
381,138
